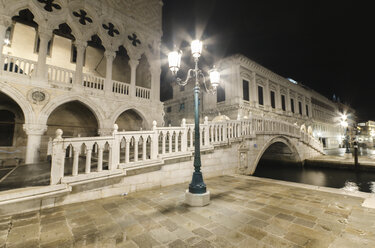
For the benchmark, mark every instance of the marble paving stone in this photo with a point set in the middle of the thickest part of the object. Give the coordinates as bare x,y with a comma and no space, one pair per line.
243,212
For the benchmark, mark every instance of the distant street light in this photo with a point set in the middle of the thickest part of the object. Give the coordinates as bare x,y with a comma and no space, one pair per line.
197,188
344,124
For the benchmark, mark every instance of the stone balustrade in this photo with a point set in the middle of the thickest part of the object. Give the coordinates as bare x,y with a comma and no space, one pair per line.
20,67
124,150
16,65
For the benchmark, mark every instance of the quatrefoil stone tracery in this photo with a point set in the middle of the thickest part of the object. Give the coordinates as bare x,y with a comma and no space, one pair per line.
82,15
111,29
49,5
134,39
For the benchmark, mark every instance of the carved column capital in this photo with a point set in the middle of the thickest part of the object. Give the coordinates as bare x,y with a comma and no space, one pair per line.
35,129
110,55
80,44
44,33
133,63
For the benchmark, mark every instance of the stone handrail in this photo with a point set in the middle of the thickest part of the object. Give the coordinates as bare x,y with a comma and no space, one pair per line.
120,87
124,150
12,64
60,75
93,82
142,92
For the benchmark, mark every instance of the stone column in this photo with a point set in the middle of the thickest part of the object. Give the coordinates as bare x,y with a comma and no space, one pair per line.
133,63
45,36
267,95
253,91
4,24
303,106
278,98
81,47
155,82
34,136
110,56
287,101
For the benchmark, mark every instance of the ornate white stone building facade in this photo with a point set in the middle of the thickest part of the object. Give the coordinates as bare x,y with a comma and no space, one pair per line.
76,65
248,88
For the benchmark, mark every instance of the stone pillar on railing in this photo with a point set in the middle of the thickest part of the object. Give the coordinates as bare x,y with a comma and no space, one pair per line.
154,141
100,157
206,131
184,136
45,36
81,47
5,22
110,56
34,136
88,159
133,63
114,150
58,158
225,130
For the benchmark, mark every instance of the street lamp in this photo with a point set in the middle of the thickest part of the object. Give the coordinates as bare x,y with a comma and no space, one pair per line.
197,195
344,124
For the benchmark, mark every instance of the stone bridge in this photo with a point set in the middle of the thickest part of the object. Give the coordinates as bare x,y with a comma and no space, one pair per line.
87,168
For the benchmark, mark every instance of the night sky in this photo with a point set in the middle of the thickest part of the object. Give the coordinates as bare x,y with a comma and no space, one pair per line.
326,45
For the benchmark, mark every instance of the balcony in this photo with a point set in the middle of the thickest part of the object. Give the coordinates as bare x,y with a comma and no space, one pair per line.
19,69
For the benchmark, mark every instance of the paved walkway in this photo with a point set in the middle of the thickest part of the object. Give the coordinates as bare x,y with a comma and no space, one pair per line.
244,212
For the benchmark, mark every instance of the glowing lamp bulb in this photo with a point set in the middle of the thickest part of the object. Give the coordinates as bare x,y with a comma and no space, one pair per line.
196,48
174,59
214,77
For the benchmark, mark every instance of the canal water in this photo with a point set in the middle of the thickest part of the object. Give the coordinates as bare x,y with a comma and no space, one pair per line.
350,180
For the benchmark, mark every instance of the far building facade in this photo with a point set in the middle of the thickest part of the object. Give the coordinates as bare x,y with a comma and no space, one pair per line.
80,66
248,88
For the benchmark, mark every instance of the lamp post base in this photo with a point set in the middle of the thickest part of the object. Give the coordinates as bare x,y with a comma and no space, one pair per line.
197,200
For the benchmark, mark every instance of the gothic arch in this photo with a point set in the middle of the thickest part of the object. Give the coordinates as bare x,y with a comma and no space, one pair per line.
271,141
17,6
22,102
58,101
117,114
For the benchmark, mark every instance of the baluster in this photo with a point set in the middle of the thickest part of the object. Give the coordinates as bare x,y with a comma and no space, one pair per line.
88,161
100,159
135,150
75,160
176,142
144,150
127,144
170,137
191,138
164,136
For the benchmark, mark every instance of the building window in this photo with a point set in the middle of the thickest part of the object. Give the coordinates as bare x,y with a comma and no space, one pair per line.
169,109
220,94
73,55
307,110
273,105
292,105
283,103
260,95
300,108
182,106
245,90
37,45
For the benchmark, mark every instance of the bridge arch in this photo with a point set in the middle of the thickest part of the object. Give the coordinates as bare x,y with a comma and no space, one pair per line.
284,141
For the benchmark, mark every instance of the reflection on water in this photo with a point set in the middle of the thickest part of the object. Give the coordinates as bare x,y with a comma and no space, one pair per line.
351,186
349,180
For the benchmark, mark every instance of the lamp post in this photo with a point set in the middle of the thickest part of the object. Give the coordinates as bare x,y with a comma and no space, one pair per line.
344,124
197,195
